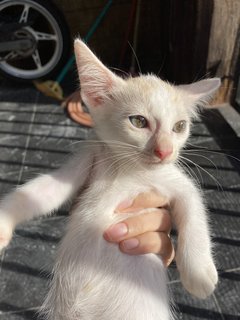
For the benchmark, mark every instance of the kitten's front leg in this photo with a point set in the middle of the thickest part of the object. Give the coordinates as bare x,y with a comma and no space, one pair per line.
194,257
42,195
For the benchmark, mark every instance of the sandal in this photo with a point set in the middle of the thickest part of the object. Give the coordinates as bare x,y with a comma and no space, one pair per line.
75,109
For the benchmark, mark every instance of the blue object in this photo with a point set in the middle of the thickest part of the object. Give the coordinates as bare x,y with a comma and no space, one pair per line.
85,39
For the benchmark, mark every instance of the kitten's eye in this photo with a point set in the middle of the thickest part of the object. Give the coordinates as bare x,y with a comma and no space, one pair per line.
180,126
138,121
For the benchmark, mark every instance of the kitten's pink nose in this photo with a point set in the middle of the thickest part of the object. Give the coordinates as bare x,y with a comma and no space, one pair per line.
162,154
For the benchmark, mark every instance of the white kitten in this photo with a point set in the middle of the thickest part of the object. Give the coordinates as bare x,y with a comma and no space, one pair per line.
141,124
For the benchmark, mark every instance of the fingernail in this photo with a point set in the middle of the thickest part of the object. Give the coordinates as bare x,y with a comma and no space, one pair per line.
130,244
116,231
124,205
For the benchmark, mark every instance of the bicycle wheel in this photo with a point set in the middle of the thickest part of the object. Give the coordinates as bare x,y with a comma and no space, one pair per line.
45,26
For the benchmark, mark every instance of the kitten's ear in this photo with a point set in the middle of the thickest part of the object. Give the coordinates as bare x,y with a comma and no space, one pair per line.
203,90
96,80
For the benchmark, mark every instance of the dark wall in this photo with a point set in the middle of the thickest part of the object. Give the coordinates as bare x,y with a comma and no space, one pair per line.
172,35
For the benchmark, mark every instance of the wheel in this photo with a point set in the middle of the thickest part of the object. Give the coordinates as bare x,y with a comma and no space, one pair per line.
42,23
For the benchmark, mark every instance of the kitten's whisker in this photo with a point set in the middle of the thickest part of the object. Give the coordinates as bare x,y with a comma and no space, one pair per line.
194,145
114,143
201,156
117,159
195,177
106,159
118,69
127,165
214,152
217,152
124,166
135,56
199,172
204,170
197,147
103,160
117,167
161,66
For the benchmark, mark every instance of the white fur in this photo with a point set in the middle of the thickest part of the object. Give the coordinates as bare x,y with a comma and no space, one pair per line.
92,279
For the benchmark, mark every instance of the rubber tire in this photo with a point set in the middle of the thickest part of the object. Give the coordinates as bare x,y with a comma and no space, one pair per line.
67,44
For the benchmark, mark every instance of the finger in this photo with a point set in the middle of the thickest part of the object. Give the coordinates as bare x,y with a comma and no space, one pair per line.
168,259
158,220
150,242
151,199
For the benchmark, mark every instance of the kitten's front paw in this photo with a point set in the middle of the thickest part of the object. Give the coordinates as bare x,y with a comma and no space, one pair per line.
6,230
200,280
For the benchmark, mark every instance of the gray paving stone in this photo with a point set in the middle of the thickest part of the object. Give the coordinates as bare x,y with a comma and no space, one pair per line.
173,274
190,308
29,314
8,177
60,147
227,295
16,92
12,140
27,264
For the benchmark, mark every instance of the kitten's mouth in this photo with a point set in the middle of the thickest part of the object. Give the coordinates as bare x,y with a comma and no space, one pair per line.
165,161
157,161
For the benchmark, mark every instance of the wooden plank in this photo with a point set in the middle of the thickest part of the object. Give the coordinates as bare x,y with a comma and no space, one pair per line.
224,47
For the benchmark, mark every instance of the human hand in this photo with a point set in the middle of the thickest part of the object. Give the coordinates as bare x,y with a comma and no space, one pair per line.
147,232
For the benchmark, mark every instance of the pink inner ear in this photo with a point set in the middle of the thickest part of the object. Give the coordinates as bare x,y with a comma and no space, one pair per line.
95,94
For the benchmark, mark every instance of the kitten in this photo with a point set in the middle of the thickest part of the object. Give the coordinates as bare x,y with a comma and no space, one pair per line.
141,124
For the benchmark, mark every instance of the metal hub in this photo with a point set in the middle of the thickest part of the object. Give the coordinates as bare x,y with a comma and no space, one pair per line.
24,34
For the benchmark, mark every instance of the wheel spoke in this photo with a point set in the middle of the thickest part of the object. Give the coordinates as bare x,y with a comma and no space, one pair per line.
24,14
37,60
40,36
11,55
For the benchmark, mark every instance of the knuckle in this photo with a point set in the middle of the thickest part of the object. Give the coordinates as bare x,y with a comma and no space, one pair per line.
166,219
165,239
165,244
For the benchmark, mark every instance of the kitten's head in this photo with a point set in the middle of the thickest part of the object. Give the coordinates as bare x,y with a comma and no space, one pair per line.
145,112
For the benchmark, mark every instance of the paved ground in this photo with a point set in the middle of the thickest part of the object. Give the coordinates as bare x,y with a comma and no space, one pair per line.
36,135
